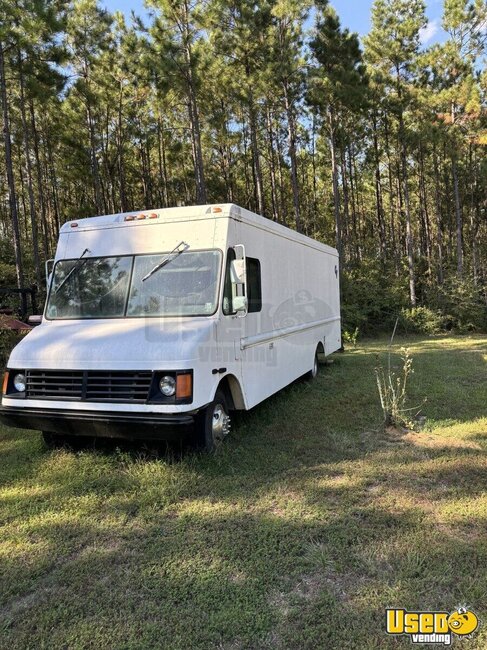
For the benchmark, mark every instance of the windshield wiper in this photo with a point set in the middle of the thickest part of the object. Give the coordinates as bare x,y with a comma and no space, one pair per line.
76,267
180,248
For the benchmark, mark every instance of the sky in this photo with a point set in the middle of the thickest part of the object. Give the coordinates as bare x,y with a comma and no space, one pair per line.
354,14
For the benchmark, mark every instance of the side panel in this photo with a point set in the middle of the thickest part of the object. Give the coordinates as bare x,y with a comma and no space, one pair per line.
300,308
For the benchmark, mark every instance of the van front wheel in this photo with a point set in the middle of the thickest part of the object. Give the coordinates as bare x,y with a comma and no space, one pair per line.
214,424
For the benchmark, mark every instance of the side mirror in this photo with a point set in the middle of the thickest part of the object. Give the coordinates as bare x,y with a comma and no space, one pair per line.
49,267
238,272
34,320
240,305
238,276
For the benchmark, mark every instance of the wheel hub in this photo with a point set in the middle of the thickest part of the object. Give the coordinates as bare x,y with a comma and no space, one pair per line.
220,423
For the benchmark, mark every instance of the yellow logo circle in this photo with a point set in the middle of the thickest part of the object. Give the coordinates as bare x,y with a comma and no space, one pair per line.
462,621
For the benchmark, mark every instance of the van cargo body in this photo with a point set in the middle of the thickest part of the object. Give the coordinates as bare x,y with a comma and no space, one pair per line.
151,316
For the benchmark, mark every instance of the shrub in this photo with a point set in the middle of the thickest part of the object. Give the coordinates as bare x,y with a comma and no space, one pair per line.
462,304
351,337
422,320
371,298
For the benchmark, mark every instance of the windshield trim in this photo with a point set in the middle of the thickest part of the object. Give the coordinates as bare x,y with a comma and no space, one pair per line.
125,316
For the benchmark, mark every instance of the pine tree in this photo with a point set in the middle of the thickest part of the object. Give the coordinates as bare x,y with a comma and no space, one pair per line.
337,87
286,75
177,38
392,46
88,34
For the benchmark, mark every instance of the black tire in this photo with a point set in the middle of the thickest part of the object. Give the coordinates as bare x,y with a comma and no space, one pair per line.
54,440
61,441
213,424
312,374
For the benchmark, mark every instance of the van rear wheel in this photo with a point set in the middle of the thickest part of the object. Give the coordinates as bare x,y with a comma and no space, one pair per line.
214,424
314,370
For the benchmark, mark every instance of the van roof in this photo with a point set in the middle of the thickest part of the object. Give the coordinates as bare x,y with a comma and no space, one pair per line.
190,213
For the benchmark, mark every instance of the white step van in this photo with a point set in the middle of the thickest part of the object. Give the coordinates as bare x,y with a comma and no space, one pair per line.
161,319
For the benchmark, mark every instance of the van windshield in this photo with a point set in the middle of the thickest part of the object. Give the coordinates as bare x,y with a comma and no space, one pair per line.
112,287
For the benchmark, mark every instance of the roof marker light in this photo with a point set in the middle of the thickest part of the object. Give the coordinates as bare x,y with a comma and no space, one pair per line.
141,216
130,218
217,210
74,225
153,215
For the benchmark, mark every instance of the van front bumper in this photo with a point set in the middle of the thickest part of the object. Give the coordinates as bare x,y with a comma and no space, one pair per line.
103,424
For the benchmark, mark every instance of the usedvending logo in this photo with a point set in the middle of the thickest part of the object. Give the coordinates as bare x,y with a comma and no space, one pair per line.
432,627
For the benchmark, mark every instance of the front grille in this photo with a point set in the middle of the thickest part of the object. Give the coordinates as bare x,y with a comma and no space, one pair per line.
89,385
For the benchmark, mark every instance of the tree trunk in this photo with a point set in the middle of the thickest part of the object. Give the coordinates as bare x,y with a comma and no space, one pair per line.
199,172
121,161
40,181
458,215
313,165
97,195
407,209
392,197
351,166
194,119
28,165
439,224
334,175
54,185
272,163
346,204
248,190
257,172
291,130
10,172
161,151
282,190
475,217
378,192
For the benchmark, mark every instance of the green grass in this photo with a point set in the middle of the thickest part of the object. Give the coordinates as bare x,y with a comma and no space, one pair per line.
297,535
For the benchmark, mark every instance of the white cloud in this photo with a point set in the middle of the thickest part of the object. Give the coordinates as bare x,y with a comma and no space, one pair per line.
429,32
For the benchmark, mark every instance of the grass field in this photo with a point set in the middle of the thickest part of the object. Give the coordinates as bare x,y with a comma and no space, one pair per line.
297,535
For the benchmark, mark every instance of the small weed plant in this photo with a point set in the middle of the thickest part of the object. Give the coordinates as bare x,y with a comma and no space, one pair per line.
392,385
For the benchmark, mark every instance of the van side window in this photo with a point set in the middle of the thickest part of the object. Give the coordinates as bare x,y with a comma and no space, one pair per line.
227,288
254,287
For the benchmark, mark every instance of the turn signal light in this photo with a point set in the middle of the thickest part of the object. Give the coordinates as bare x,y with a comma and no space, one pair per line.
5,383
184,386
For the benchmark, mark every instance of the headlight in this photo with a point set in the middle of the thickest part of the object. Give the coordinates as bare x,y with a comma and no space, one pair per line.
167,386
19,382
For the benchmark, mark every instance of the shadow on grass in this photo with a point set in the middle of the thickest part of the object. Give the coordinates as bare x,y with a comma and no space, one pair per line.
242,579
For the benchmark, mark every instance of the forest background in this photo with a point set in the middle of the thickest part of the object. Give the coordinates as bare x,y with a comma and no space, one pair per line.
373,144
